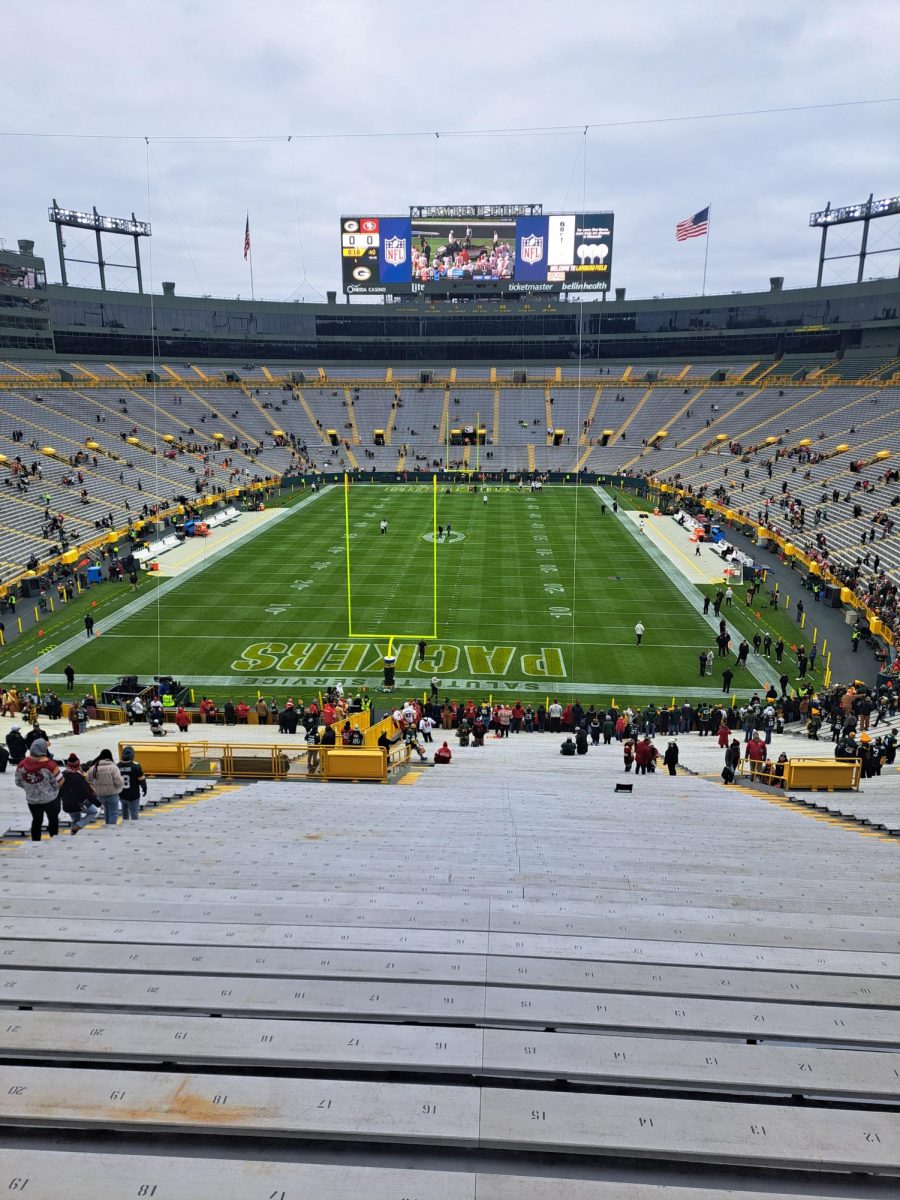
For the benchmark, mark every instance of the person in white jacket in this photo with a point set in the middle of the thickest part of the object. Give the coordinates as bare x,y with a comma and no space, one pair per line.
106,780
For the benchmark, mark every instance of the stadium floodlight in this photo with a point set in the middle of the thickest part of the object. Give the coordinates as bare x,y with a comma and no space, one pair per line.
74,218
94,220
888,207
869,211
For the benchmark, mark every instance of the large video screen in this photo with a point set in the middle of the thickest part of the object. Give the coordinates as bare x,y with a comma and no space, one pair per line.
555,252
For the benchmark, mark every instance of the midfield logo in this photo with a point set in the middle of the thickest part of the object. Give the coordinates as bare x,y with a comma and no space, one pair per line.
532,249
395,251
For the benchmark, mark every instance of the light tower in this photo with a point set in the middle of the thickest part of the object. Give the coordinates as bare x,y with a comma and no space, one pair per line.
120,226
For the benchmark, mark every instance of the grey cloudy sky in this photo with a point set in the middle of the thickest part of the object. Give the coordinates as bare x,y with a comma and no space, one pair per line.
242,70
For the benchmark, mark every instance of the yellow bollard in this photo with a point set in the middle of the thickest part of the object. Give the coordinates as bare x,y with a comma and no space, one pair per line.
824,646
2,640
192,695
94,689
19,619
815,635
36,617
787,601
52,609
803,621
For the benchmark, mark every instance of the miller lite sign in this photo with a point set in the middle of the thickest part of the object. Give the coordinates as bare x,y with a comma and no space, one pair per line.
531,249
395,251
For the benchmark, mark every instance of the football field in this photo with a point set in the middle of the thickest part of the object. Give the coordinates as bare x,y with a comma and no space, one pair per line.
536,594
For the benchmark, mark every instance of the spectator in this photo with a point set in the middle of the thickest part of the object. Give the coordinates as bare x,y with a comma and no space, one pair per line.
756,753
135,784
443,754
77,796
105,779
40,778
732,761
670,758
16,745
645,754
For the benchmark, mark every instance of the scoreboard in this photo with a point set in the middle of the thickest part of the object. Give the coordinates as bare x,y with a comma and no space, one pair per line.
482,249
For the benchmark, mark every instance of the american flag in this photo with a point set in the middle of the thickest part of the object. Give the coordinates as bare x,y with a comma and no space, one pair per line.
695,226
247,237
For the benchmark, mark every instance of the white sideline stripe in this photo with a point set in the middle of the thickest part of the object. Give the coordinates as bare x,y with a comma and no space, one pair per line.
141,602
666,562
419,682
533,640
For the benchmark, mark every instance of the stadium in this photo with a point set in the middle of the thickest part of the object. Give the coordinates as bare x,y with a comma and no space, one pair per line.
501,684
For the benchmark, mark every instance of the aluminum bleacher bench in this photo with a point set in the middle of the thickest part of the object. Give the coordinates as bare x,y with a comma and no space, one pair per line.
739,1134
451,1004
102,1038
61,1175
570,975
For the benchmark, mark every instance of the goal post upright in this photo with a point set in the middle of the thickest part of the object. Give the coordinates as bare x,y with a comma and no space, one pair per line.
390,638
434,548
347,552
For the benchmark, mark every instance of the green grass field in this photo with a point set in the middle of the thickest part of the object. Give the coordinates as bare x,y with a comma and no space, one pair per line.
536,595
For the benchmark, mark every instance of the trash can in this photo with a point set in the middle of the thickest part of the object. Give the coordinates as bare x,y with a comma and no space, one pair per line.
390,663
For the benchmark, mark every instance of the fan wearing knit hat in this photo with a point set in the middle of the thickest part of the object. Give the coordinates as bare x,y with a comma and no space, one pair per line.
40,779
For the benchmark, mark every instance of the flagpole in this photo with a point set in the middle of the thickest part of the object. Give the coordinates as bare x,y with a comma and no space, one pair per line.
705,256
248,253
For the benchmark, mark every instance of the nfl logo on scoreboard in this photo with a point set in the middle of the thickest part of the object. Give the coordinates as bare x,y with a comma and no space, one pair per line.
395,251
532,249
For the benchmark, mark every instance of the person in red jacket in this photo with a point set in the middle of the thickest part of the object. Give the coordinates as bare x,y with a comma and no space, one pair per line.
645,755
756,754
628,753
182,718
443,754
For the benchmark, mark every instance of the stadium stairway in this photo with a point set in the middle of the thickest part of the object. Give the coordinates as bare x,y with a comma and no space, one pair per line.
502,978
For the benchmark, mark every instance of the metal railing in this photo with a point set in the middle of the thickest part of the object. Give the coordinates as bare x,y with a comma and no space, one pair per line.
283,764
